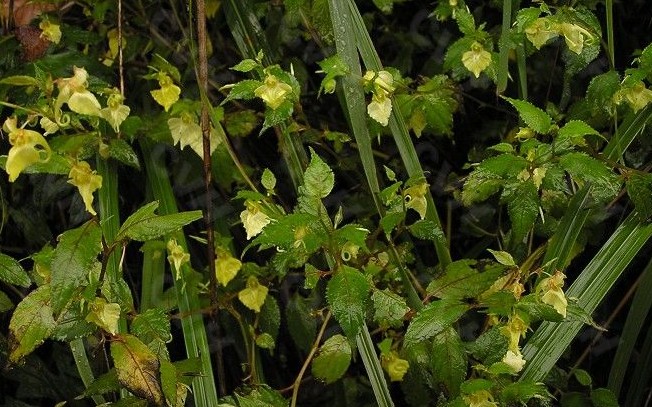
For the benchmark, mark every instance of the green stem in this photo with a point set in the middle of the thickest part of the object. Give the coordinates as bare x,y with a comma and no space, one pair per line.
503,58
611,53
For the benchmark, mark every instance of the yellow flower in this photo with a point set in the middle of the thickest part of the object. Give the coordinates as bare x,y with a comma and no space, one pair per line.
49,126
115,112
273,91
415,198
477,59
514,360
253,219
540,31
27,147
574,36
87,181
226,266
73,92
380,108
105,315
186,132
253,296
514,330
395,367
177,256
168,94
50,31
480,398
637,96
553,295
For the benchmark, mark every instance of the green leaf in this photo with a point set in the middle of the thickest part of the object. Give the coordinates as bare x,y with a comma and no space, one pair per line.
19,80
333,359
270,317
268,179
433,319
389,308
301,323
290,229
31,324
639,189
72,261
523,209
534,117
347,293
243,90
600,92
318,179
583,377
151,325
5,302
521,392
490,347
169,382
144,225
577,129
427,230
603,398
261,396
123,152
449,362
583,168
11,272
276,117
461,280
245,65
108,382
503,257
138,368
241,123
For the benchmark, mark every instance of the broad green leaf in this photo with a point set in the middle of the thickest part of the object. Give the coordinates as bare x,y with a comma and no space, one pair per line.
245,65
270,317
600,92
144,225
575,129
461,280
73,259
301,323
347,293
449,361
268,179
241,123
261,396
534,117
318,178
11,272
31,323
150,325
290,229
138,368
604,398
123,152
19,80
333,359
639,189
242,90
169,382
490,347
72,324
583,377
389,308
523,209
276,117
433,319
427,230
503,257
584,168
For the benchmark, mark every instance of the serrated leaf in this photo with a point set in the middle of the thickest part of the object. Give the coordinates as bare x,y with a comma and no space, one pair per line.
138,368
534,117
333,359
144,225
353,233
521,392
150,325
577,129
433,319
5,302
600,92
103,384
169,382
639,189
523,209
270,317
290,229
31,323
461,280
427,230
347,293
583,168
275,117
301,323
490,347
318,179
604,398
503,257
389,308
11,272
243,90
123,152
72,261
449,361
261,396
72,324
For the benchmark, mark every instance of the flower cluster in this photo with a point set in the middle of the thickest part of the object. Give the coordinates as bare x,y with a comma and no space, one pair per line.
382,87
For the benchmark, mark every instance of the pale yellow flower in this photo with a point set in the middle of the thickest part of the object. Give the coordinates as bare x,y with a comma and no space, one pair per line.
186,131
574,36
253,296
253,219
226,266
177,256
380,108
514,330
541,30
115,112
415,198
514,360
273,91
553,295
50,31
73,92
637,96
87,181
395,367
105,315
27,147
480,398
168,94
477,59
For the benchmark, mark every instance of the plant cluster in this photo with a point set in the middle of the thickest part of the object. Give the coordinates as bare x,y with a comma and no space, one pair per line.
324,270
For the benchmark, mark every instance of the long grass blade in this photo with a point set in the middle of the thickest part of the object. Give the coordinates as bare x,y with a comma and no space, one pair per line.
503,56
192,323
548,343
397,126
638,312
640,384
631,127
83,366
